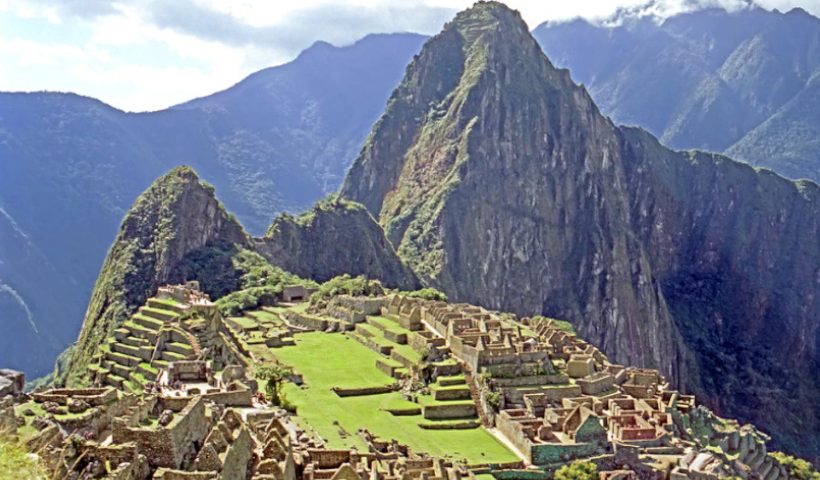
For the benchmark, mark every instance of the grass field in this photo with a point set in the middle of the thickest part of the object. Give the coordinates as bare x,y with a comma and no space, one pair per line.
335,360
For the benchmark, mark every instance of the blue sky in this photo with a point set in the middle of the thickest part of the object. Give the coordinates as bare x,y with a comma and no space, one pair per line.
149,54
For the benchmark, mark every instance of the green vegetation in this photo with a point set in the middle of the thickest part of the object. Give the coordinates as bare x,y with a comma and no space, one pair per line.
153,236
259,283
346,285
427,294
346,363
797,467
273,376
15,462
331,203
577,471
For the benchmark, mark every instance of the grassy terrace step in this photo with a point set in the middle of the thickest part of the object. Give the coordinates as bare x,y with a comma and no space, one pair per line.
451,380
376,344
138,377
159,314
180,348
121,333
165,304
132,386
389,329
159,363
391,367
405,355
134,341
244,323
173,356
455,424
123,359
115,380
125,349
146,322
146,370
140,331
119,370
454,392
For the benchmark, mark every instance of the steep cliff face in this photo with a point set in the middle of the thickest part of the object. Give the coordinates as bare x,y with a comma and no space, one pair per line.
501,183
175,216
333,238
737,256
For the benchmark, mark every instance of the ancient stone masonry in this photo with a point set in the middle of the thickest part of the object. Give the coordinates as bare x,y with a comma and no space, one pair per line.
558,399
550,396
179,324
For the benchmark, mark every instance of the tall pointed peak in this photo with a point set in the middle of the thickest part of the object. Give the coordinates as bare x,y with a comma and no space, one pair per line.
469,93
484,17
178,215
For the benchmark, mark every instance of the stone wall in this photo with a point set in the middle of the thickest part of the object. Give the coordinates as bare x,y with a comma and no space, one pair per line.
358,392
596,383
168,446
94,396
447,411
552,453
239,453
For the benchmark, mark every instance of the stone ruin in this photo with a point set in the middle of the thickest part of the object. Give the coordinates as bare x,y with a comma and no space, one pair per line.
552,396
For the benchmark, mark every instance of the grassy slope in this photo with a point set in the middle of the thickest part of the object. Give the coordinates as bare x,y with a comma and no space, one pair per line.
344,362
15,462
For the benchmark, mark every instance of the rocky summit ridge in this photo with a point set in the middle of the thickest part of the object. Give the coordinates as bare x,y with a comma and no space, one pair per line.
500,183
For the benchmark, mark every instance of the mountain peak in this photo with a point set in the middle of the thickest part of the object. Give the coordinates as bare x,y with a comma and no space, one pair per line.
176,217
483,75
486,16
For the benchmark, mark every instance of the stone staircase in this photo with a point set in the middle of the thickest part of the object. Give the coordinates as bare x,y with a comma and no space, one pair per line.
475,395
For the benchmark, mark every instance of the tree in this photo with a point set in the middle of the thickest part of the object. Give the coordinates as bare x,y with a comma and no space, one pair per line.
577,471
273,376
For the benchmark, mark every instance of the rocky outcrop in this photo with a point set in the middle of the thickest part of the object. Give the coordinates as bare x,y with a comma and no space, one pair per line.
333,238
500,182
175,216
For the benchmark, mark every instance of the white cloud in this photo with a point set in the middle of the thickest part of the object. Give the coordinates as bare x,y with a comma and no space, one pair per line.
149,54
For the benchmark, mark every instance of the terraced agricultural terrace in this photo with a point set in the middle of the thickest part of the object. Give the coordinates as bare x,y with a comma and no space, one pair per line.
386,386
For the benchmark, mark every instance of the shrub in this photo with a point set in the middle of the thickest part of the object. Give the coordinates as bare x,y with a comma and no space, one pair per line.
427,294
259,283
797,467
493,398
577,471
274,376
346,285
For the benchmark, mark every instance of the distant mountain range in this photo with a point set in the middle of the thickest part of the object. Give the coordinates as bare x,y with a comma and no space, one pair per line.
744,82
